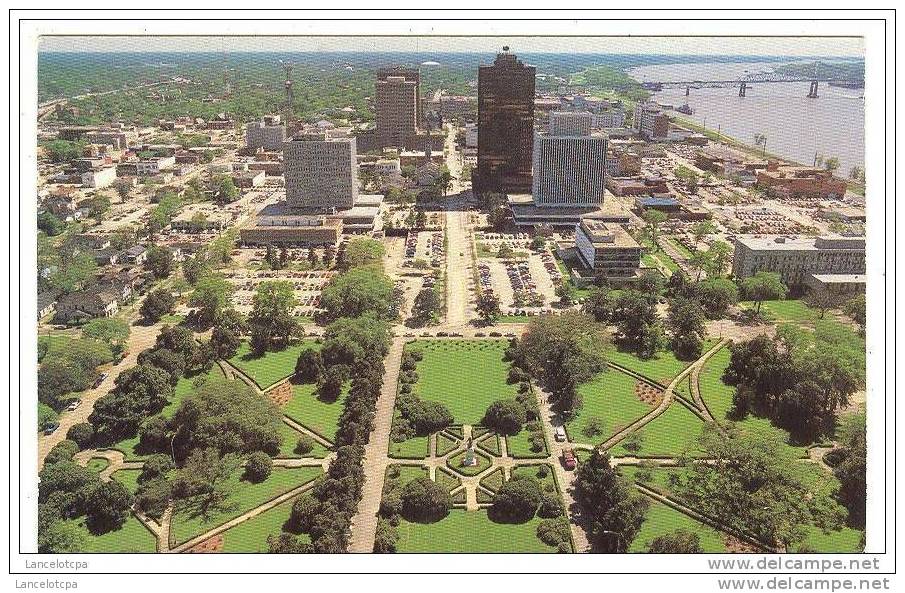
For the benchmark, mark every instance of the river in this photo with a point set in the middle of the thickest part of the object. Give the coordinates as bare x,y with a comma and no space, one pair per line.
796,127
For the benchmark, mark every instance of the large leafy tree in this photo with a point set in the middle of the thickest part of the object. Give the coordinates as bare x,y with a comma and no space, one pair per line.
562,352
764,286
349,341
716,295
358,291
614,511
362,251
160,261
686,322
211,296
750,482
271,322
157,303
229,417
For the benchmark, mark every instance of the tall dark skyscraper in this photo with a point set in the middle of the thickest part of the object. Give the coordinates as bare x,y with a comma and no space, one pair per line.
505,126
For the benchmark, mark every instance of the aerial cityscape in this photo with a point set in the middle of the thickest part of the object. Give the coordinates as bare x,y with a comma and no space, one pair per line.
502,301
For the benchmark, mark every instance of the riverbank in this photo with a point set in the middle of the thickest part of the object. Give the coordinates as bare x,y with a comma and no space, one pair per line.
853,186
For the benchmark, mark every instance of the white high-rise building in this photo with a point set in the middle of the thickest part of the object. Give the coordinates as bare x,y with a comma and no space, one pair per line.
320,172
569,163
570,123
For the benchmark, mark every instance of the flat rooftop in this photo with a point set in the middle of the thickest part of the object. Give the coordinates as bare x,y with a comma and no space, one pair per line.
607,234
785,243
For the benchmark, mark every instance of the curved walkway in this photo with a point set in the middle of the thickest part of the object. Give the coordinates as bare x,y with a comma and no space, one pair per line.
664,402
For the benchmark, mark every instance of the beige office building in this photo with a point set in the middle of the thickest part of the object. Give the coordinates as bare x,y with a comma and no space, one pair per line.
796,259
321,173
396,110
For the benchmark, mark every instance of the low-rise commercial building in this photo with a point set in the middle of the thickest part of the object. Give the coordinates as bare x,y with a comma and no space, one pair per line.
276,226
608,249
795,259
800,182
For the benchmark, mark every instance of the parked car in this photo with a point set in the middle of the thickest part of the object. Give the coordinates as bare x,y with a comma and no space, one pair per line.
99,380
560,434
74,405
51,428
568,459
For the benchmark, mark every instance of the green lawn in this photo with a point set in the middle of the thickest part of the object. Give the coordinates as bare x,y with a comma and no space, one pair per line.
792,310
128,478
519,446
491,445
662,367
413,448
670,434
447,480
251,536
97,464
132,537
661,519
188,523
493,480
291,439
445,444
610,398
470,532
186,386
406,473
465,375
679,247
313,412
271,367
547,482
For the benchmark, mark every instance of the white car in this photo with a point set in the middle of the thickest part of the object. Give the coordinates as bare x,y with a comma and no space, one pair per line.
559,434
74,405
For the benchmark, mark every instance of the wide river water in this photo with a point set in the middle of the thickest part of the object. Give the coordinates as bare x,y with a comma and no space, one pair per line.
796,127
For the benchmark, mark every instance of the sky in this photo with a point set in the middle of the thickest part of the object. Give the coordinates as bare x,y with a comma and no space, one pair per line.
755,46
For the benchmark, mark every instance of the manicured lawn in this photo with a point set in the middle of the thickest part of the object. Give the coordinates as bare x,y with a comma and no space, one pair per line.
403,474
791,310
251,536
128,478
271,367
313,412
291,439
671,434
493,480
445,445
662,367
547,482
491,445
97,464
187,522
519,446
470,532
844,541
660,477
455,463
661,519
130,449
610,398
132,537
465,375
447,480
413,448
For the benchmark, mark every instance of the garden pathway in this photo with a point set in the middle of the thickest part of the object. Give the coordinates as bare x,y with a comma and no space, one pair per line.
364,523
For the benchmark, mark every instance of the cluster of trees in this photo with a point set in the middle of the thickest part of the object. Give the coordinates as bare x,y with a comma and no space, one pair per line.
358,290
633,312
142,391
416,416
160,261
67,492
353,346
158,303
750,482
799,379
420,500
849,462
62,265
271,323
561,352
70,368
763,286
614,510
